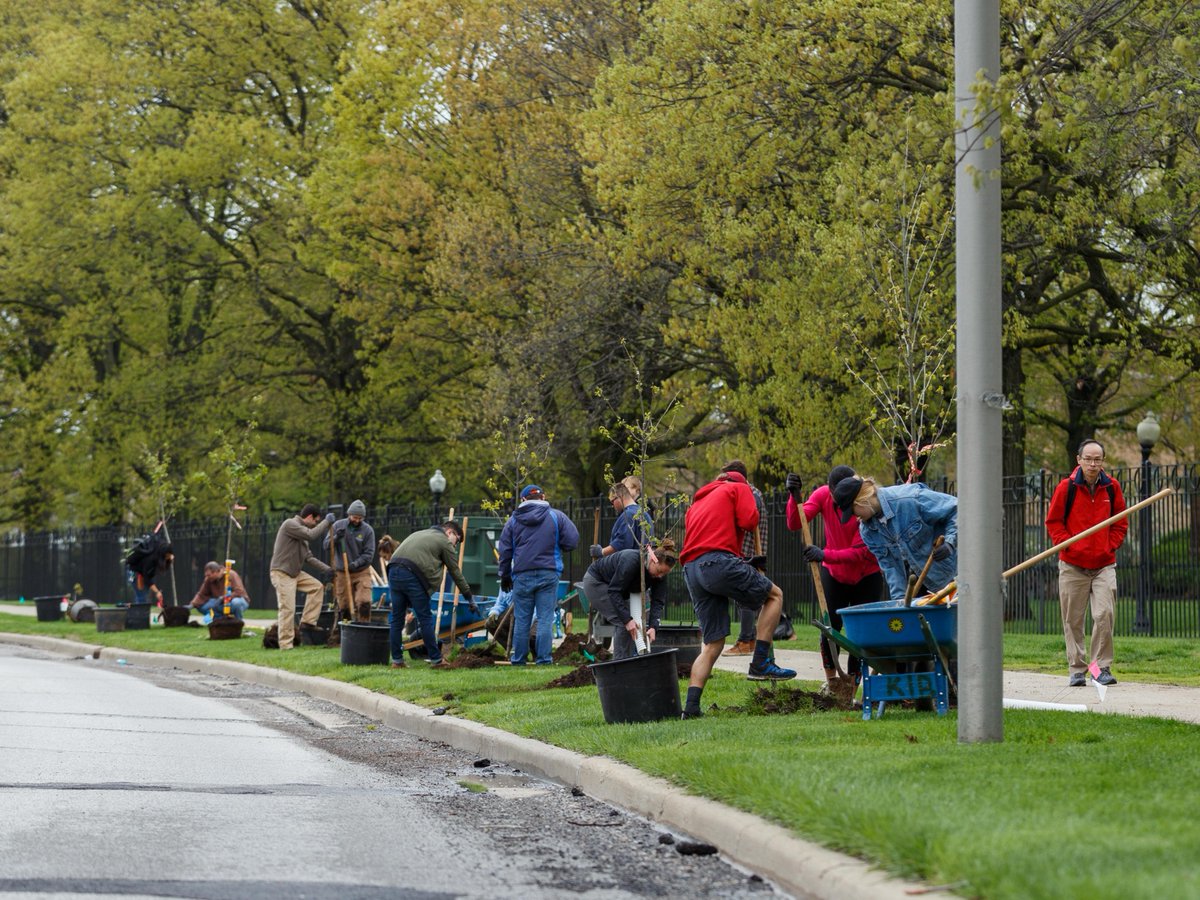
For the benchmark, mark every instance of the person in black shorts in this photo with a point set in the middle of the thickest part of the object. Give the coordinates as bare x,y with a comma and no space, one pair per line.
715,571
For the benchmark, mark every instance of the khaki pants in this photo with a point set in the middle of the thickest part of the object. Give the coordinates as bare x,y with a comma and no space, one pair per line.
285,590
1077,590
353,594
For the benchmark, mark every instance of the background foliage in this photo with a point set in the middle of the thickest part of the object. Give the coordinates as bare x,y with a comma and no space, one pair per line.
384,232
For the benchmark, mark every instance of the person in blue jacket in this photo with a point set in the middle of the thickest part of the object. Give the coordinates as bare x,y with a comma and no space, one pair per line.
899,524
532,545
632,528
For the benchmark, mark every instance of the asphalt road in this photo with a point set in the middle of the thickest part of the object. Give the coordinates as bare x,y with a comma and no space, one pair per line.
147,782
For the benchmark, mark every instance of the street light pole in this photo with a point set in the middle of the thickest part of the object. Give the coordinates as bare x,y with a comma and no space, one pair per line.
437,485
1148,432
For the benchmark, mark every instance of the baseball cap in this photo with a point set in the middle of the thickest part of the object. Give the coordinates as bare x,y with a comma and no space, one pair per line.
532,492
844,493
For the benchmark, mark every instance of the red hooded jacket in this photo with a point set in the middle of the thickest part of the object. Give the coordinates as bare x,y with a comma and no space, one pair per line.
720,515
1089,507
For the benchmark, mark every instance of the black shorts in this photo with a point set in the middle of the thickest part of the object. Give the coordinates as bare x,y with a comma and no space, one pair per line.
716,578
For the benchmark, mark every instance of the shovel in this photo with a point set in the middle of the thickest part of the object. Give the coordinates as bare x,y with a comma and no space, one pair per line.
815,569
914,586
941,595
462,546
442,588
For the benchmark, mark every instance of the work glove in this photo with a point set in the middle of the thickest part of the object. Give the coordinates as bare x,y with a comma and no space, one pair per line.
758,562
942,551
330,518
472,606
793,485
595,551
506,584
813,553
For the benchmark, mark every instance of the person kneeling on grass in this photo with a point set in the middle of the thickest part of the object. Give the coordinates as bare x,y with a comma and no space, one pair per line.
715,525
210,598
609,582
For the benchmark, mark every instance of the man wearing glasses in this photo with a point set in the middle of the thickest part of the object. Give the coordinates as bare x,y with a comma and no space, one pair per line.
1087,570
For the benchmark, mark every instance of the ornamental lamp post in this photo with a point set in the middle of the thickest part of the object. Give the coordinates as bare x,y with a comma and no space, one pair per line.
437,486
1148,433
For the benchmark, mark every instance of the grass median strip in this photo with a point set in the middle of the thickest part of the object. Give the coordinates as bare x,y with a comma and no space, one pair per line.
1067,805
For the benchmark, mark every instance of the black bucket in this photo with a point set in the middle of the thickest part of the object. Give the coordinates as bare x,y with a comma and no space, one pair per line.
319,634
49,609
137,616
110,619
640,688
364,644
684,638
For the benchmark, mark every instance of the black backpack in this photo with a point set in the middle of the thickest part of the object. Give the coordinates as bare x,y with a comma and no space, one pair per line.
1072,487
143,548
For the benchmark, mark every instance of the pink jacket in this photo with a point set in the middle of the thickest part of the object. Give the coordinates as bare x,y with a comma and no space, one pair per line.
846,556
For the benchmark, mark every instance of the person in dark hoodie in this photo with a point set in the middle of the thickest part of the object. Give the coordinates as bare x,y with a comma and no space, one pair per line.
716,572
609,582
532,545
150,557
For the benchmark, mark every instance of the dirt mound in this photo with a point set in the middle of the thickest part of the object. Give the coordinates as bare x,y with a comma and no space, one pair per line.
578,677
472,658
782,701
571,651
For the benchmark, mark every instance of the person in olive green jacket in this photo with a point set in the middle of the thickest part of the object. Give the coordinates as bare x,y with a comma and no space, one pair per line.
414,573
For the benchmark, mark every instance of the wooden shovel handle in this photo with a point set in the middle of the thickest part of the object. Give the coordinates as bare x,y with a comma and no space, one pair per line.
1033,560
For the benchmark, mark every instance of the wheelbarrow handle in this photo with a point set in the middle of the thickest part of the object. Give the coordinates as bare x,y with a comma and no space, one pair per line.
840,639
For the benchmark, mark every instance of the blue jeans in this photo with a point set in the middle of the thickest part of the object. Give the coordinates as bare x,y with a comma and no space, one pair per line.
534,591
237,606
407,593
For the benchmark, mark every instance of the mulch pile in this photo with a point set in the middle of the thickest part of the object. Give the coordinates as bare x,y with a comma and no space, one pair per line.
782,701
578,677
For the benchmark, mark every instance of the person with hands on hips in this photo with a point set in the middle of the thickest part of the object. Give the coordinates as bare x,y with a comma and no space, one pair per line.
632,528
899,525
609,582
849,571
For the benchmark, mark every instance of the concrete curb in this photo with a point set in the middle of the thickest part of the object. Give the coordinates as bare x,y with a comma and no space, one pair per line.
800,868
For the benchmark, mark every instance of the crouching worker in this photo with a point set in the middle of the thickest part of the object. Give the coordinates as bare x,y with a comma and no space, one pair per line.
721,514
211,595
609,582
413,570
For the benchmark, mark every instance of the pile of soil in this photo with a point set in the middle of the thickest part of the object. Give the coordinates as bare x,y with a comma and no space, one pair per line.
782,701
578,677
225,628
472,658
570,651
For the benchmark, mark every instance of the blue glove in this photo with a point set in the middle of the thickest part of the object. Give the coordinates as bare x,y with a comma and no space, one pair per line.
330,518
813,553
942,551
595,551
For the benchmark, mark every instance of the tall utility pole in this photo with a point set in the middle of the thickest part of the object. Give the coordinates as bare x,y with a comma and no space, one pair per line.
980,390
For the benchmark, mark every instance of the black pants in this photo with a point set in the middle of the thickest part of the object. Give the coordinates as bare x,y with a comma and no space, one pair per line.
838,595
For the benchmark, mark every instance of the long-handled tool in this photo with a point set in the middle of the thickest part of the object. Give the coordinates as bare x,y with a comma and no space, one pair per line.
595,540
349,583
934,599
815,569
462,547
442,586
915,586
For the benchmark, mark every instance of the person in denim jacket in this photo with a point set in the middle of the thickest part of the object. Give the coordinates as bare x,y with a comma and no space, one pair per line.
899,524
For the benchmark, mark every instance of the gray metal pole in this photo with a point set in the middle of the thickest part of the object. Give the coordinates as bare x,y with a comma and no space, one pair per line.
980,391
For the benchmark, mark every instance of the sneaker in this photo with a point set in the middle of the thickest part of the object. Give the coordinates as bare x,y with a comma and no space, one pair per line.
691,714
1077,680
741,648
1106,677
768,671
440,664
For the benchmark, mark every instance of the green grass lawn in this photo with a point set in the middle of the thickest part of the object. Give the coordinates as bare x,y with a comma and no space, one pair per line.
1067,805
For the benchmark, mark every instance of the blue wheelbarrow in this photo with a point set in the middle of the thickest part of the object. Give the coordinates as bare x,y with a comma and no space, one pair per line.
909,650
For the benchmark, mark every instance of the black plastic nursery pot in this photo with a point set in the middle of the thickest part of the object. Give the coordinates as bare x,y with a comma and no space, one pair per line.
365,644
49,609
110,619
137,616
684,638
640,688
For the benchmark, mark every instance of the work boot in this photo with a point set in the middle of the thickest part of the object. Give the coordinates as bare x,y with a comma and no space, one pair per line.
768,671
440,664
1077,680
1105,677
741,648
398,665
691,714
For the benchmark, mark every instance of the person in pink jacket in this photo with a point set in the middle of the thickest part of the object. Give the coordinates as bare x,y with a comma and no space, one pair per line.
849,571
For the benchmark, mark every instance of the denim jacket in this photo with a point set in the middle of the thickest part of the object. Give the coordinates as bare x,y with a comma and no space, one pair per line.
911,517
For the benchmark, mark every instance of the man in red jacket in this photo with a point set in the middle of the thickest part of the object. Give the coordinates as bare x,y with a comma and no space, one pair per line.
1087,570
716,572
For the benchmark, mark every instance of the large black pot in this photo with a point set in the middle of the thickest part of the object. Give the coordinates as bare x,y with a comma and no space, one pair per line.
640,688
364,644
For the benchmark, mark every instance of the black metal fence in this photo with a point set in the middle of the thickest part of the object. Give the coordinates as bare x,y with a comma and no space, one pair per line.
1158,566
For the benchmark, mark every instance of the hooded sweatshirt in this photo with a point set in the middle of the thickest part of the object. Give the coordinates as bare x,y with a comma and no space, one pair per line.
536,537
720,515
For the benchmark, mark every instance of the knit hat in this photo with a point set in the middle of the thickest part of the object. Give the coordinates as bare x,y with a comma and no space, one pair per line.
837,473
357,508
